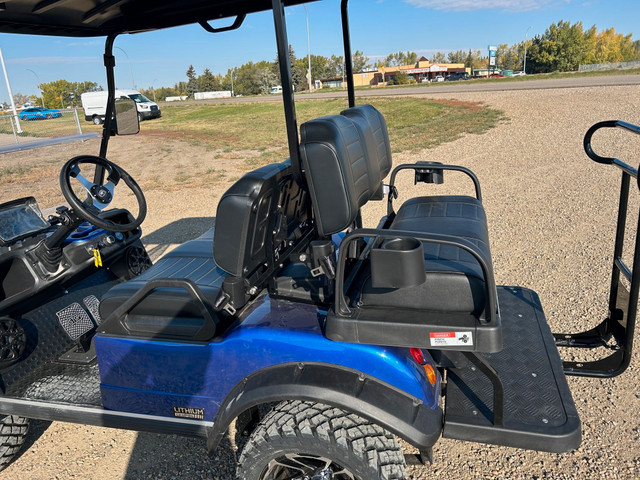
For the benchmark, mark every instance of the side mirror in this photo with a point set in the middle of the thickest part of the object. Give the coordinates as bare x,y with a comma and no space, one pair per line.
126,117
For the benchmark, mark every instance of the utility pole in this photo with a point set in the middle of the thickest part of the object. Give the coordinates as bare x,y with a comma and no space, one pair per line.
233,70
308,47
524,66
13,104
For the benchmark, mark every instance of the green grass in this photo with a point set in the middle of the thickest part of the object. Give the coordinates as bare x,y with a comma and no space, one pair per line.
414,123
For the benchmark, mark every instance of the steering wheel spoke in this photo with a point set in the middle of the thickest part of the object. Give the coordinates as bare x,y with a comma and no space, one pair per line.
100,196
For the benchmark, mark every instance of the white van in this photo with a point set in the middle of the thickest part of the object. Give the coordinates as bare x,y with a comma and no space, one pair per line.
95,105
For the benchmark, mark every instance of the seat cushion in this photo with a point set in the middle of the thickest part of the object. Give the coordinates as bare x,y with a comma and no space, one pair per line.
455,281
193,260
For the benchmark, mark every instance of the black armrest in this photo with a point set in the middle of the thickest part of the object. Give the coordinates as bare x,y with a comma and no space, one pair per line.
116,323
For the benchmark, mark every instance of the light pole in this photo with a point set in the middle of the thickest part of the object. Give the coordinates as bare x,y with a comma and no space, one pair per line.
133,84
233,70
13,104
524,66
39,83
308,47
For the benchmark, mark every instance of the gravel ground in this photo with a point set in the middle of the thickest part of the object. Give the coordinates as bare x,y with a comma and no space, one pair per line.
551,217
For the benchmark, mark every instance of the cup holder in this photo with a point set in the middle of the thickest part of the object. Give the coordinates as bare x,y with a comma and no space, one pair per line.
398,263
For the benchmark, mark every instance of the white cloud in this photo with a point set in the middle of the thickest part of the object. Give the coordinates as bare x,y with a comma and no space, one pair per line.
461,5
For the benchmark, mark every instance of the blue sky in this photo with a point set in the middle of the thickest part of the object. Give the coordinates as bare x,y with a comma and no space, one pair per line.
378,27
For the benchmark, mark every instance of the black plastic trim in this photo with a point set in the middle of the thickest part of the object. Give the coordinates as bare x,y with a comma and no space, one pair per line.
402,414
103,418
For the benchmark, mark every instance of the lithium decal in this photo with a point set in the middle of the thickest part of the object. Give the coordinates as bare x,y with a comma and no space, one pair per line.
189,412
451,339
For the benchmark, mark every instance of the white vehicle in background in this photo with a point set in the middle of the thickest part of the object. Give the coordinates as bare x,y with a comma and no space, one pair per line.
518,74
95,105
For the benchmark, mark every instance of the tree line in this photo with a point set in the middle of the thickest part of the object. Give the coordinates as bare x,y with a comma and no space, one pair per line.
563,47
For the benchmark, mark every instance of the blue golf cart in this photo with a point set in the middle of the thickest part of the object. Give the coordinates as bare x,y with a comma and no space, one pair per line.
327,338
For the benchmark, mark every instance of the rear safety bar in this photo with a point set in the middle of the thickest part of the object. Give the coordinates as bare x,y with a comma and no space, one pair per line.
620,322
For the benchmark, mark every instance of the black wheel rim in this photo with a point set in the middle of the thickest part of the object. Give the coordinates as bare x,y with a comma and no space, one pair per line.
299,466
13,341
138,261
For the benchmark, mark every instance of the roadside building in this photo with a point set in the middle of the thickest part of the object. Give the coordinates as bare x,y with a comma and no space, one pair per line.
421,72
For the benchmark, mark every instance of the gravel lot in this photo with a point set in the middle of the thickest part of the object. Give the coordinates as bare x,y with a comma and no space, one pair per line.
551,218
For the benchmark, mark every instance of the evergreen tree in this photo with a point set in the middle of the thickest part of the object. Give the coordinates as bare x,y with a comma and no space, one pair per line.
192,82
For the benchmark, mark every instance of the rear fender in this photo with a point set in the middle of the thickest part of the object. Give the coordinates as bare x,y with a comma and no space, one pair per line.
400,413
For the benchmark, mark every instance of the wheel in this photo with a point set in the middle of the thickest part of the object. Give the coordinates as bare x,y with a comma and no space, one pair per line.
99,196
312,441
13,431
49,116
139,117
97,120
13,341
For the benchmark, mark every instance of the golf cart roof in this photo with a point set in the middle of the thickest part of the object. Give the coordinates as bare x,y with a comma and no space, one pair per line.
88,18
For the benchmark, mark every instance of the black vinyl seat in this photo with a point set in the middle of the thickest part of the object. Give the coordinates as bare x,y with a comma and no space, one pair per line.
193,261
345,158
455,281
261,220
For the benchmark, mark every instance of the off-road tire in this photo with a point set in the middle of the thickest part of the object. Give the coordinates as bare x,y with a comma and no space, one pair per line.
364,449
13,431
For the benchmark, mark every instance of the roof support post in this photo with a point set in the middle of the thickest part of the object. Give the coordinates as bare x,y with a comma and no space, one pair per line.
348,60
110,65
287,88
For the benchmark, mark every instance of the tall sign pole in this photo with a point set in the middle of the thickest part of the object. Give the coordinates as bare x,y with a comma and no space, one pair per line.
492,59
13,105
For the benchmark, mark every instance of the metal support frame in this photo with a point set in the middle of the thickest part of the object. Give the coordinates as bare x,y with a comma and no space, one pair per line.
435,166
110,65
348,59
287,88
620,322
485,367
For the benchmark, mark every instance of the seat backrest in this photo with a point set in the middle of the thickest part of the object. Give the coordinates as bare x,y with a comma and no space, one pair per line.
259,219
373,128
338,171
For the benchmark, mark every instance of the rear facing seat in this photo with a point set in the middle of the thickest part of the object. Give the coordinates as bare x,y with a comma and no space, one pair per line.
345,158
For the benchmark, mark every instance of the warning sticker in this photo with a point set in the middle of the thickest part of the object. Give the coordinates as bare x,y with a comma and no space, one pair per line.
451,339
189,412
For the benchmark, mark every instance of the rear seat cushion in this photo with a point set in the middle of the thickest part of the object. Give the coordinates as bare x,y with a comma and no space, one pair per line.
455,281
192,260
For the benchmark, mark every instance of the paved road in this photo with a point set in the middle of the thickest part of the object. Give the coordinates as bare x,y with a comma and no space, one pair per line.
497,84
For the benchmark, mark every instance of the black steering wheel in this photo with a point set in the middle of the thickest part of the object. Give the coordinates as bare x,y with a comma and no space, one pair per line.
99,196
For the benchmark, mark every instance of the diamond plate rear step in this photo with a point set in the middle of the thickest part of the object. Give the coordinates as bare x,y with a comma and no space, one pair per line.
539,412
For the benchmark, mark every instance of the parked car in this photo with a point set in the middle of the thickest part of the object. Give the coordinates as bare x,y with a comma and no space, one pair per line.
438,78
38,113
457,76
497,75
518,74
